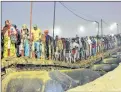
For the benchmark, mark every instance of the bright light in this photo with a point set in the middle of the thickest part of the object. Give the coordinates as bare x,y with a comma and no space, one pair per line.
96,29
94,23
82,29
57,31
113,26
115,23
112,34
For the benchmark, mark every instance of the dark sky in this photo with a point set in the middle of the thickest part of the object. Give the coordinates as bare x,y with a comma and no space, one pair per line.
67,24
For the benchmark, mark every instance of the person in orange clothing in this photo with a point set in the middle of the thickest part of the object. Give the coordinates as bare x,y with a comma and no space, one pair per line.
10,38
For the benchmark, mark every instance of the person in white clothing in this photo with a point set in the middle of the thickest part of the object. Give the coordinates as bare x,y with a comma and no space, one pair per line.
90,46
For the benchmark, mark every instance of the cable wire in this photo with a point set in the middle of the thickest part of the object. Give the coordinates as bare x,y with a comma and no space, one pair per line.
80,16
105,22
75,13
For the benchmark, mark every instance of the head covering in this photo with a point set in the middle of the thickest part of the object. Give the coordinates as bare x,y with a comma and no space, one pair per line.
8,22
24,26
35,25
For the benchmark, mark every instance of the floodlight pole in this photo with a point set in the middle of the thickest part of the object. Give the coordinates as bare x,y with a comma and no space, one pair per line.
101,28
54,17
54,27
117,29
98,27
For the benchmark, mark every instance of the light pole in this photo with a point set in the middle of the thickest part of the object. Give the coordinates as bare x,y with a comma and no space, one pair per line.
54,17
101,28
54,27
117,29
98,27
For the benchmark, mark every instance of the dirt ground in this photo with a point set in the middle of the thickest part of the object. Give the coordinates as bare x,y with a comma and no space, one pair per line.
110,82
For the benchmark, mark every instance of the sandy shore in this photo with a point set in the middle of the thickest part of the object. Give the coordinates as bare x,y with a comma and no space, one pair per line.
110,82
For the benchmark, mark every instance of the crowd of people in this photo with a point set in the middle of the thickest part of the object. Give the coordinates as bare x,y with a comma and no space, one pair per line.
35,44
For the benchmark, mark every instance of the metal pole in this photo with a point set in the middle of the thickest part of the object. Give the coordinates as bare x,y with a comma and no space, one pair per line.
101,28
30,29
97,34
117,28
54,18
30,19
53,27
98,27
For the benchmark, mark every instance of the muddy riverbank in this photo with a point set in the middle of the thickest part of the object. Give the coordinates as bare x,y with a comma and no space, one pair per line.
61,79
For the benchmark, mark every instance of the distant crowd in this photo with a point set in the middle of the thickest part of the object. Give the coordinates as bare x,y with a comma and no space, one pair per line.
35,44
